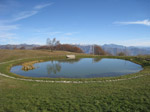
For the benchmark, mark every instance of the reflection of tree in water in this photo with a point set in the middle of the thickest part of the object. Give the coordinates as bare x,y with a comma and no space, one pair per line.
95,60
53,67
71,61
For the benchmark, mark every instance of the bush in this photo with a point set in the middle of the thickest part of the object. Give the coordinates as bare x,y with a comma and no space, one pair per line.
98,50
61,47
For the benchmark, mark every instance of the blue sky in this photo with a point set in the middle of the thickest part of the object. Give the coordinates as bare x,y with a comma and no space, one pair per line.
124,22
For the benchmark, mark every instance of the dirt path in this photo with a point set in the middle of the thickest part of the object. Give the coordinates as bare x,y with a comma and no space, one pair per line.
49,81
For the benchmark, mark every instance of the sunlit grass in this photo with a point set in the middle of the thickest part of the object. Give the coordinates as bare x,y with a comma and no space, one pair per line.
22,96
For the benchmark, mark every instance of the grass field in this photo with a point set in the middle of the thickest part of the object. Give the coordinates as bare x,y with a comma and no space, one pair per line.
23,96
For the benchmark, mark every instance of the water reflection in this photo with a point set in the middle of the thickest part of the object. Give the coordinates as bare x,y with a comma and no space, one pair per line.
70,61
95,60
53,67
80,68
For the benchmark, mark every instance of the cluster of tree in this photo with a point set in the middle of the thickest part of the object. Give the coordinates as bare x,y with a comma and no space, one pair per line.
52,43
61,47
97,50
55,45
67,47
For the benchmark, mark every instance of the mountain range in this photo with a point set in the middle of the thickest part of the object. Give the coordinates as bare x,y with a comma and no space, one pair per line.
112,49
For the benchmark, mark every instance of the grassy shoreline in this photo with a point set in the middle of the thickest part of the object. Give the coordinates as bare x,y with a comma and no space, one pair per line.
6,68
122,96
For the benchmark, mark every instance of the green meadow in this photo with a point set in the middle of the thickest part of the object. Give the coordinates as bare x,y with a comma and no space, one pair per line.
131,95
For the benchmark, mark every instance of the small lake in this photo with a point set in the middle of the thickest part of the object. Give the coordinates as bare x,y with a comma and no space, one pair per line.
80,68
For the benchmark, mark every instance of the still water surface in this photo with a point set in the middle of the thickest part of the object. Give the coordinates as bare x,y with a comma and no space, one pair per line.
80,68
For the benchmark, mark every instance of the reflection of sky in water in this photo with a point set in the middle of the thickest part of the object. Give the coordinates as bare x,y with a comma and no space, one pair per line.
17,69
83,68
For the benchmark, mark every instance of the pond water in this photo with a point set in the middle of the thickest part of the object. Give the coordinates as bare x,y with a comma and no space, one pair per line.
80,68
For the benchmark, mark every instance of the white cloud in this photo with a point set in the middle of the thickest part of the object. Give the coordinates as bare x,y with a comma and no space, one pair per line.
52,33
42,6
144,22
7,37
24,15
46,32
8,27
68,34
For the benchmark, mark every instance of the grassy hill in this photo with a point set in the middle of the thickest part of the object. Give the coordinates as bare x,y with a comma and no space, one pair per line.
22,96
6,55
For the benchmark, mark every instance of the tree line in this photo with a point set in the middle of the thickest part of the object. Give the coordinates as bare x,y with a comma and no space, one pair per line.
54,44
